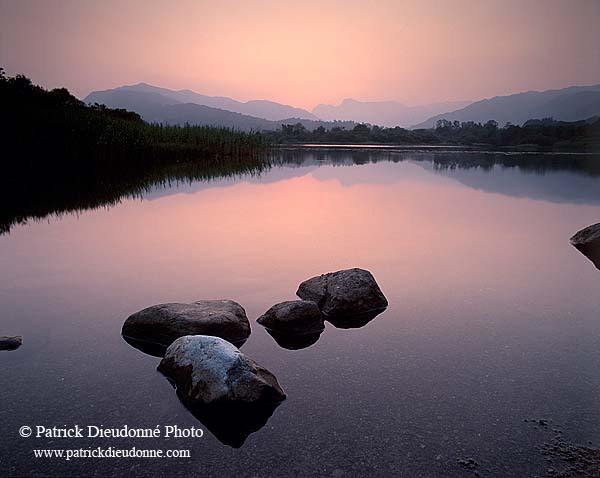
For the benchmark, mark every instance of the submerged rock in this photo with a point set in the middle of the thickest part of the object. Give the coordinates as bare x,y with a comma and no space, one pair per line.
157,327
346,293
10,342
227,391
587,241
293,317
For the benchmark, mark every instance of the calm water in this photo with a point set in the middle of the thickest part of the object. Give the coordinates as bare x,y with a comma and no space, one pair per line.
494,318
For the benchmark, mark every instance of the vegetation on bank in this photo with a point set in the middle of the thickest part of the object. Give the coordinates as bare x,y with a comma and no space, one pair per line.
541,134
54,129
61,155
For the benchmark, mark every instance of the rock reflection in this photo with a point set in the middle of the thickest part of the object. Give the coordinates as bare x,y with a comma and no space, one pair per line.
233,422
294,341
155,349
149,348
353,321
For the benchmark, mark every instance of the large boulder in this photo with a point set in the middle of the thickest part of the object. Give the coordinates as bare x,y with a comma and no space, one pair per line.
293,317
587,241
345,293
10,342
229,392
155,328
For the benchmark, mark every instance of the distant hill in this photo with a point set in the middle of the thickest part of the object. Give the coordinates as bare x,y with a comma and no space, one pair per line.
567,104
155,107
384,113
260,108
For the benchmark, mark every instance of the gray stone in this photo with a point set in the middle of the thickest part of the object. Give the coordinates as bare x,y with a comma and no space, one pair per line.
350,292
208,370
587,241
293,317
164,323
230,394
10,342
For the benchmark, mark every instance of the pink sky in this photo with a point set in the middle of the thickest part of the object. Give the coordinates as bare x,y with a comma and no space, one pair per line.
306,52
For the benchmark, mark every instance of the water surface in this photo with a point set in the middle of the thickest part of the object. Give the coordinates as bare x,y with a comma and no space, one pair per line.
494,318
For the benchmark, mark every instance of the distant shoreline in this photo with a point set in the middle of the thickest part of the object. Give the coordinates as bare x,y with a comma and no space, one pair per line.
434,147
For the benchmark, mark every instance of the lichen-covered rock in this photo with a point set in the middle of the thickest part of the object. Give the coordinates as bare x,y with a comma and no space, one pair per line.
349,292
209,369
228,392
587,241
10,342
293,317
164,323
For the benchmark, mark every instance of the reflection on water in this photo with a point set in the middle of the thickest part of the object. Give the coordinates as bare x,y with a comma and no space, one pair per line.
493,317
354,321
150,348
587,241
232,423
294,341
593,254
57,196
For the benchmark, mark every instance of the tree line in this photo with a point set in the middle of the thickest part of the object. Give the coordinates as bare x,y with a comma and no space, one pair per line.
540,134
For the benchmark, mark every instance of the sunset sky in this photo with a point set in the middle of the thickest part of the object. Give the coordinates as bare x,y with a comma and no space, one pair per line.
306,52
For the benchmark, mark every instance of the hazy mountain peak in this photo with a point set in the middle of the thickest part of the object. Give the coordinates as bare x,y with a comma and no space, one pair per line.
385,113
567,104
266,109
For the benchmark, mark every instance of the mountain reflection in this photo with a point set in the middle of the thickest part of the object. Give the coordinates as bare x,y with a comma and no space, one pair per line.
554,177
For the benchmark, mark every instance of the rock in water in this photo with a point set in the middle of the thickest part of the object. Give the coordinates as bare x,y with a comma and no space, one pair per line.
209,369
161,325
10,343
227,391
587,241
294,324
293,317
346,293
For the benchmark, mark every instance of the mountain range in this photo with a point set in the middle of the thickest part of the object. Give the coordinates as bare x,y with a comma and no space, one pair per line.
384,113
162,105
259,108
568,104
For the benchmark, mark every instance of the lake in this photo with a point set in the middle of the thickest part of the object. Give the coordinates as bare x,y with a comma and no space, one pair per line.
493,322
